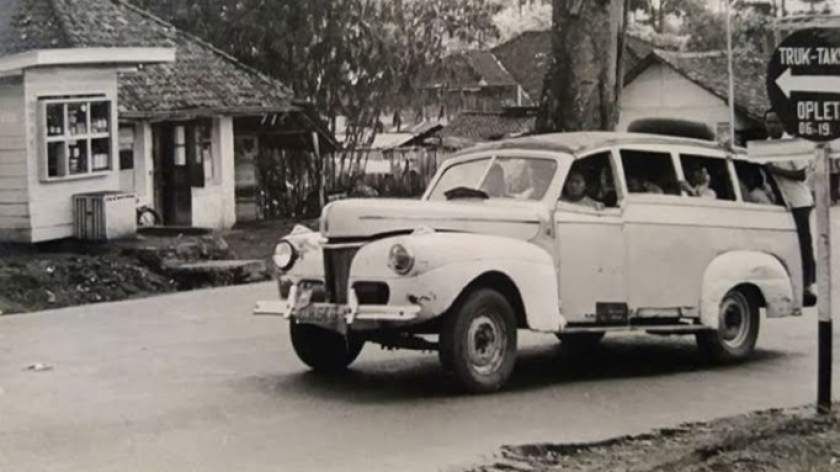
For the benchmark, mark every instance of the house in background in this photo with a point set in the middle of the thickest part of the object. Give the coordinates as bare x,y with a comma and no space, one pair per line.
478,127
472,80
525,59
695,86
99,96
657,83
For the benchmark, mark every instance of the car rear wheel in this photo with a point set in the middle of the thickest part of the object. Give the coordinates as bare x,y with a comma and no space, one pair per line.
478,341
736,336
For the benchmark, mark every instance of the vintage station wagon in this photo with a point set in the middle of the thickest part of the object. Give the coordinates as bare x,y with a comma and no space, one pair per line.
573,234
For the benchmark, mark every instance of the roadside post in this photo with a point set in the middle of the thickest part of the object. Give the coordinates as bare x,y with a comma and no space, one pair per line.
803,84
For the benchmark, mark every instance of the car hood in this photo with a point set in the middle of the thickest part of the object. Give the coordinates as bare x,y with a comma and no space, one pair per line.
367,218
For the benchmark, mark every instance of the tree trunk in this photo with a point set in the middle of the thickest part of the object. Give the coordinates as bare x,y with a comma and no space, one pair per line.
582,88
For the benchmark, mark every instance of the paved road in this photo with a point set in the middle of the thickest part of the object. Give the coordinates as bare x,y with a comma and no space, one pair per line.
192,382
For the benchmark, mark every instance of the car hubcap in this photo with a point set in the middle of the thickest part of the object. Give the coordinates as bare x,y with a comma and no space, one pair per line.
734,321
486,345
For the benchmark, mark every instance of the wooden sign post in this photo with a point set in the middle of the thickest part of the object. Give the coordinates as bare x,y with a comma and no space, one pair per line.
803,84
824,300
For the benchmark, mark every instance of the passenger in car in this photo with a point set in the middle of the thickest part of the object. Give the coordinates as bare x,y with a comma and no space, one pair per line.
494,182
606,189
575,191
754,188
698,183
636,184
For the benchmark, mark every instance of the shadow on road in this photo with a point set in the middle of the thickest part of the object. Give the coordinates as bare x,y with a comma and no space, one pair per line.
546,366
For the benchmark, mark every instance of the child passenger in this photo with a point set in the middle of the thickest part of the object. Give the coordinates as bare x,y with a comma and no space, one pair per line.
575,191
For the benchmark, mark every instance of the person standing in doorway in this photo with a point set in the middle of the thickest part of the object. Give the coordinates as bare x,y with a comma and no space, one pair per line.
792,179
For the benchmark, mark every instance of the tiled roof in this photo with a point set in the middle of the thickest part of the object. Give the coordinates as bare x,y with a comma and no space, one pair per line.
637,50
489,126
473,68
710,71
489,68
26,25
528,58
202,79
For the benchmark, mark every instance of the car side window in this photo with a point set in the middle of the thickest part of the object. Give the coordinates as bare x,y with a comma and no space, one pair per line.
591,182
707,177
649,172
756,185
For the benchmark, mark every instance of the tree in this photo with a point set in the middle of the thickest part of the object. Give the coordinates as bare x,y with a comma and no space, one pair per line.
348,57
582,88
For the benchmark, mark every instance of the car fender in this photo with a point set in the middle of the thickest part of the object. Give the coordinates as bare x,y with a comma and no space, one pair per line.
448,263
309,264
735,268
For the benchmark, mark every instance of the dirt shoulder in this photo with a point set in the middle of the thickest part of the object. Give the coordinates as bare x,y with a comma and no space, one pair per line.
71,273
793,440
34,282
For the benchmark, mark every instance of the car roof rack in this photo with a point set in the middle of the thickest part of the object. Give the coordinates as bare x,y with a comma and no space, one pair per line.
673,127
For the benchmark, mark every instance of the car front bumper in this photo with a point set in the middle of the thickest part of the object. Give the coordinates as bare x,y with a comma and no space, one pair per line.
334,316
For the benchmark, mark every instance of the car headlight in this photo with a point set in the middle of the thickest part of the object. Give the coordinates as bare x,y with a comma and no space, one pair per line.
284,255
400,259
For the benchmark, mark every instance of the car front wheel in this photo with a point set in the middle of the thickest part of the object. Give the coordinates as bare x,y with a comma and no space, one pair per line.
324,350
478,341
736,336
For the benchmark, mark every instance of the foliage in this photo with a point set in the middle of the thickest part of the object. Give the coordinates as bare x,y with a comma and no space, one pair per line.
517,18
659,40
752,31
348,57
658,11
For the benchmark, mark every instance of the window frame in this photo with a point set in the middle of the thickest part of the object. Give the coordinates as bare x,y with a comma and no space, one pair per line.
614,161
45,138
730,171
656,149
552,192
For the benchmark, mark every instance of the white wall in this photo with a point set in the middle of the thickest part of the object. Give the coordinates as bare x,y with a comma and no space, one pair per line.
214,206
142,177
14,195
662,92
51,203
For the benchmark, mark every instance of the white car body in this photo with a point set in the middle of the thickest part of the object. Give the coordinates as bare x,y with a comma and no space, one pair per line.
663,255
657,263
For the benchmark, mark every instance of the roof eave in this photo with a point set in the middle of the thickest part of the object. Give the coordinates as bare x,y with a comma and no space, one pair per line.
17,63
188,114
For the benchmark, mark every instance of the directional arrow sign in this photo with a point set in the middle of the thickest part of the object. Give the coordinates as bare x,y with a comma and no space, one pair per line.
822,84
803,84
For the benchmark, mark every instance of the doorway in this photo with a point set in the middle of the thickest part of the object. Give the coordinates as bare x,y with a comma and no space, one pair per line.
173,156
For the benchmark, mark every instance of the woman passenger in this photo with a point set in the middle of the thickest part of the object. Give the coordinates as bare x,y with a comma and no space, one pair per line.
575,191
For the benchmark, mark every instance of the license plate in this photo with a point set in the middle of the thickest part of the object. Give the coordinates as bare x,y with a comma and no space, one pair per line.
323,314
611,313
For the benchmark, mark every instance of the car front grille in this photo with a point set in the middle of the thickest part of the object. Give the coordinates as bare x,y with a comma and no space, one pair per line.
337,272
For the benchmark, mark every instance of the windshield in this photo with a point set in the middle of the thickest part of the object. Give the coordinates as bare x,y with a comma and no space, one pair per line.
520,178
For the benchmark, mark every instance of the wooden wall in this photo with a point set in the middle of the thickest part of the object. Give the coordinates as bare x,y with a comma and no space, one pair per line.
14,207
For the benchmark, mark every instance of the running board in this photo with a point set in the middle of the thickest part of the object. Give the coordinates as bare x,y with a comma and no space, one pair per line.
653,329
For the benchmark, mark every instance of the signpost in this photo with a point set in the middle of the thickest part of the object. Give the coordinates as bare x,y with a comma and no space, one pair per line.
803,84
